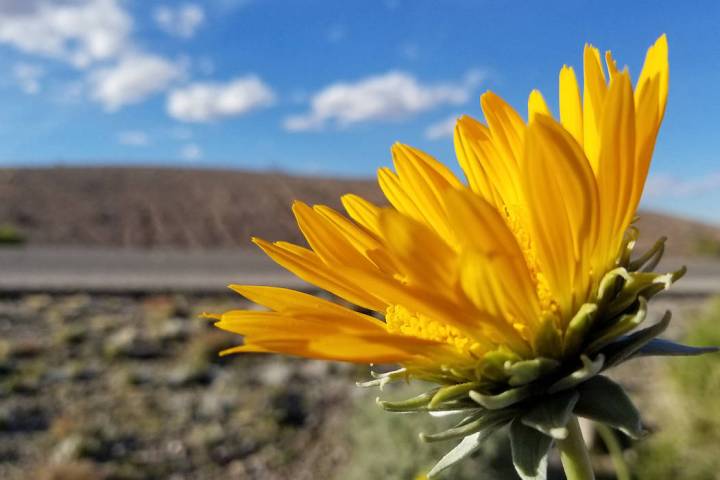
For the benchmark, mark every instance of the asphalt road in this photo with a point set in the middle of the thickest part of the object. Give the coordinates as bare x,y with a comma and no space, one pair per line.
35,269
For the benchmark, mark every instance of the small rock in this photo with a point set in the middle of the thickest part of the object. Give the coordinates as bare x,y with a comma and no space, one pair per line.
23,418
129,343
189,375
274,373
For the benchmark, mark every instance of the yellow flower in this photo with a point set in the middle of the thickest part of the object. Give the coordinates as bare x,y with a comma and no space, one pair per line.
499,265
512,292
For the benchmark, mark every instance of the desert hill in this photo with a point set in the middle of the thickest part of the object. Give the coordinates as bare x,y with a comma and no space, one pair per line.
183,208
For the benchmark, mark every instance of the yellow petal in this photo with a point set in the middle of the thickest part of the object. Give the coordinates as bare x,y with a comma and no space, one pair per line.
365,213
593,98
536,104
571,113
489,173
506,126
327,240
428,181
308,266
558,178
290,302
617,164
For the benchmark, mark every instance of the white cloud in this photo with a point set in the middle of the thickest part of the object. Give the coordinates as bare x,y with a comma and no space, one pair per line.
441,129
182,21
80,32
133,138
663,185
134,78
191,151
28,77
204,102
394,95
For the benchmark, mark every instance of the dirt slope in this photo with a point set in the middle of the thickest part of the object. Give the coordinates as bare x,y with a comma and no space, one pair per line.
153,207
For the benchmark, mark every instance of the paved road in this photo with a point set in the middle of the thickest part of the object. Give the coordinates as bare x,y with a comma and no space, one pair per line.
115,270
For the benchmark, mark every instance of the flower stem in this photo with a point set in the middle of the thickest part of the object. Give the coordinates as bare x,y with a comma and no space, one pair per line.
615,450
574,454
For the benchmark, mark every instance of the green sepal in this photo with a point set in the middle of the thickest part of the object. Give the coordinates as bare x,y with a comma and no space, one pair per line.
529,451
548,340
610,283
552,414
526,371
409,405
647,284
382,379
626,323
451,392
464,449
623,348
604,401
589,369
504,399
666,348
650,259
578,328
493,364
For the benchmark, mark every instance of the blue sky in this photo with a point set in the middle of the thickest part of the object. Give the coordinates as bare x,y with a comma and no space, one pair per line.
326,87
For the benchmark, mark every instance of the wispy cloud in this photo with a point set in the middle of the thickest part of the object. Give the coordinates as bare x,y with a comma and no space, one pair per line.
182,21
191,152
664,185
391,96
28,77
205,102
442,129
134,78
133,138
81,32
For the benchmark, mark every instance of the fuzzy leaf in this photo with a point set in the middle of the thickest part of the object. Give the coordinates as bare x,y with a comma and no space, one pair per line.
604,401
469,426
464,449
662,347
529,451
552,415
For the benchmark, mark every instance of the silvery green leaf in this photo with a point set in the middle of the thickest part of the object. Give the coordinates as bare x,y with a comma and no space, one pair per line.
604,401
464,449
469,426
661,347
624,347
529,451
551,416
589,369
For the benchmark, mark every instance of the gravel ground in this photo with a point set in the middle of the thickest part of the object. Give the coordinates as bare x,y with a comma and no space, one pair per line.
117,387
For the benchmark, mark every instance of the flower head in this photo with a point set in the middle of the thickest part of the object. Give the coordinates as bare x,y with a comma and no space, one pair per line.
511,291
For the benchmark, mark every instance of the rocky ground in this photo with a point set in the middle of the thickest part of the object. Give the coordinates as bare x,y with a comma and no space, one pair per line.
132,388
